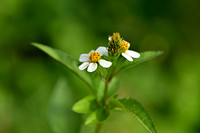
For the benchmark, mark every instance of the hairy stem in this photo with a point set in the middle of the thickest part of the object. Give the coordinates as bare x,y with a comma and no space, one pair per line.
98,128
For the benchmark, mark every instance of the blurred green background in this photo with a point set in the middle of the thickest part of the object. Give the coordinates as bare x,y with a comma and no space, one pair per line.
37,93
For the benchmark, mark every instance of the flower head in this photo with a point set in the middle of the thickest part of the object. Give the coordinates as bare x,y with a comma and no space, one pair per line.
126,53
118,46
91,60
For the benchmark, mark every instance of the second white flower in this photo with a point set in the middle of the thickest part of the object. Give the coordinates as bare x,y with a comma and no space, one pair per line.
91,60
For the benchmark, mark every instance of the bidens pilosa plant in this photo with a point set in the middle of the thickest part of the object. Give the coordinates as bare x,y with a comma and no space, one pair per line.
98,69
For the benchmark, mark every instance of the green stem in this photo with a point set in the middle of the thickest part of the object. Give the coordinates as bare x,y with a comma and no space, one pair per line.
114,73
100,75
98,128
105,91
107,79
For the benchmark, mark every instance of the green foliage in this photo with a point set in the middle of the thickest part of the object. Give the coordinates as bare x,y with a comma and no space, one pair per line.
60,117
103,88
27,79
85,105
145,56
68,61
100,90
113,86
135,108
97,117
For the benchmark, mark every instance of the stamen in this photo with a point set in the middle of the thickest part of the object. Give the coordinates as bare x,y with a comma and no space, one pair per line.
94,57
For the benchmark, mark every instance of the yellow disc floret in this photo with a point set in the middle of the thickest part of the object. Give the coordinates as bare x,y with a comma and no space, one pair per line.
124,45
94,57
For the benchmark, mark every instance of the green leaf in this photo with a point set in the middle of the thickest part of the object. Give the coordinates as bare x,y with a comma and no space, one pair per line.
100,90
113,86
145,56
59,114
69,62
86,105
97,117
135,108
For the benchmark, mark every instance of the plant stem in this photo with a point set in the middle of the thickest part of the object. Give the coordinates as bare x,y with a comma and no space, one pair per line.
98,128
100,75
105,91
107,79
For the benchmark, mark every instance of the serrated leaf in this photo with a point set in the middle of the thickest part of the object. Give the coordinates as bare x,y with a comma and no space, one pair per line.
135,108
85,105
145,56
69,62
97,117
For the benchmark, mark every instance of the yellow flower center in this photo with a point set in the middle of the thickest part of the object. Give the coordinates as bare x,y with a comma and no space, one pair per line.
124,45
94,57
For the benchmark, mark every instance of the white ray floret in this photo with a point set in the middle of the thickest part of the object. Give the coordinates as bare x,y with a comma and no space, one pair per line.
105,63
92,67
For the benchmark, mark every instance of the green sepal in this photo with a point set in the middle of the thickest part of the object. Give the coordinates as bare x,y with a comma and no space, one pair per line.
119,52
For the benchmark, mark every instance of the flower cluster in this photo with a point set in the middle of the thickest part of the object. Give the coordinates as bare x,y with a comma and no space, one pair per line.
117,46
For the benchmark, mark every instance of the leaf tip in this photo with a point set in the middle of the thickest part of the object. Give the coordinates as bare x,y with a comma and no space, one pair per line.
74,108
87,122
160,52
35,44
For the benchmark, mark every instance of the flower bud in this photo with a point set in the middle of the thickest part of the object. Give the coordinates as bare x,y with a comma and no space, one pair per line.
114,44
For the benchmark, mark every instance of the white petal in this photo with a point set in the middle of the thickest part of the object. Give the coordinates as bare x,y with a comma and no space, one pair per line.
84,57
127,57
92,67
110,38
132,53
105,63
91,52
84,65
102,50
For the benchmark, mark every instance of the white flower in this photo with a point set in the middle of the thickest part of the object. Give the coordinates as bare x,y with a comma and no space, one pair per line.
90,60
128,54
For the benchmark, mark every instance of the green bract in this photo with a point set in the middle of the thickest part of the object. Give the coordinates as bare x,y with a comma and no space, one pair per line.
103,83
